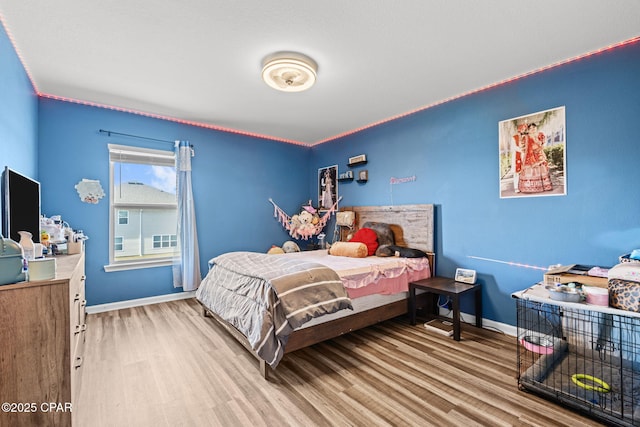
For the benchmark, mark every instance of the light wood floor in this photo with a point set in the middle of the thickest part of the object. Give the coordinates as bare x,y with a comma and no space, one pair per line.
167,365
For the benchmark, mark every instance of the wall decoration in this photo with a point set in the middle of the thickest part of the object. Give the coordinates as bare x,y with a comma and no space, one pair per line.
358,160
395,181
532,152
307,223
90,190
346,176
327,187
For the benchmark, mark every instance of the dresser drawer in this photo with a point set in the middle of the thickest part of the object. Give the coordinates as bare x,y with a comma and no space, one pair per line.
77,363
77,301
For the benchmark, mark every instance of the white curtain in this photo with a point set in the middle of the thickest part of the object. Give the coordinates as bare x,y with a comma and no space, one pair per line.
186,267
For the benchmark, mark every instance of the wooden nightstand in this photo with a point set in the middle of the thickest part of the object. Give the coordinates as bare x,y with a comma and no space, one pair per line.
447,287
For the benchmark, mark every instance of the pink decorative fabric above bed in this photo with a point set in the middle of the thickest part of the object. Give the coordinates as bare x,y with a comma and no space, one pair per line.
370,275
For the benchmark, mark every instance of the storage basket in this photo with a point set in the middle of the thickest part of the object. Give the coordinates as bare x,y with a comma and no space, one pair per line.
624,294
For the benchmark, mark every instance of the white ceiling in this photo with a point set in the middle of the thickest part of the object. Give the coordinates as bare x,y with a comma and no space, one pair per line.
200,60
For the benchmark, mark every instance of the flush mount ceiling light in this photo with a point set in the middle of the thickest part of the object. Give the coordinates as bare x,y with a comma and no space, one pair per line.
289,71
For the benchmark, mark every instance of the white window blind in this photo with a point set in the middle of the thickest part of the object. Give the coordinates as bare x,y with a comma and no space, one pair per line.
146,156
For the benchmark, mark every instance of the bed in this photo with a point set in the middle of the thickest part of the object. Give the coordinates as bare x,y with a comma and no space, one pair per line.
376,286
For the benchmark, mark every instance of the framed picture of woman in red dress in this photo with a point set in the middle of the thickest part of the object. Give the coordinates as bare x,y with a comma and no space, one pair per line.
532,155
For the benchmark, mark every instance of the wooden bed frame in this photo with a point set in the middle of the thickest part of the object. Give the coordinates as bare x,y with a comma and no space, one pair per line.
413,227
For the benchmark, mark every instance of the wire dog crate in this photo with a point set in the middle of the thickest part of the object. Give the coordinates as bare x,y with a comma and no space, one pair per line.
586,357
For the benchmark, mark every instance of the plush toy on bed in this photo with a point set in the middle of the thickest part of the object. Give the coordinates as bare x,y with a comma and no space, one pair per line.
383,231
287,247
290,246
349,249
275,250
368,237
386,245
399,251
374,238
385,236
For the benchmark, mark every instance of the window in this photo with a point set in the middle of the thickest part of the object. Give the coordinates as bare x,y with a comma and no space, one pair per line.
143,208
165,241
123,217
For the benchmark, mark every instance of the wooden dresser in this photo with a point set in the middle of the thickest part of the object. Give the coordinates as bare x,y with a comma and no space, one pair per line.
42,334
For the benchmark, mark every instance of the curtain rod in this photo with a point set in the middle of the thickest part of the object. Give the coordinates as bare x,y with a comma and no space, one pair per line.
110,132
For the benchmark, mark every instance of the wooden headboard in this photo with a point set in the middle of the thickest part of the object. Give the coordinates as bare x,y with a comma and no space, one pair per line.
412,225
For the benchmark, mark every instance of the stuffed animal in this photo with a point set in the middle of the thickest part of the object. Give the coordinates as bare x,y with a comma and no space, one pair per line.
304,224
275,250
305,217
295,222
290,246
306,228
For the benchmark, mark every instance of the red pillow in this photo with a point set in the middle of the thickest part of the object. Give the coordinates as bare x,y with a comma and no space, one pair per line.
368,237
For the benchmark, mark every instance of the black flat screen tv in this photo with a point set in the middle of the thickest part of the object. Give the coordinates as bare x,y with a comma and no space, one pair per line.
20,205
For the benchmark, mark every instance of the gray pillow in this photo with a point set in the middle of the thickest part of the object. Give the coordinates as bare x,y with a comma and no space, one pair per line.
384,233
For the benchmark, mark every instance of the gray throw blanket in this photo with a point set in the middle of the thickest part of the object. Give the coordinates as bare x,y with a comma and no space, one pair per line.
266,297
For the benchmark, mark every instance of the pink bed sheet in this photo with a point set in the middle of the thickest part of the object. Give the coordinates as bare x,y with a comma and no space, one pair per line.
371,275
390,286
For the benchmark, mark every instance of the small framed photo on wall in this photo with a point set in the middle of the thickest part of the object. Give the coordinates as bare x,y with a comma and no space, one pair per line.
327,187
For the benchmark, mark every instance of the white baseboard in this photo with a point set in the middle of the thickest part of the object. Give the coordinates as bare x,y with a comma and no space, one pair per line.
100,308
486,323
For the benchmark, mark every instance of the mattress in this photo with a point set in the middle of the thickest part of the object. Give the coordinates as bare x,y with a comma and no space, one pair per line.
266,297
361,304
371,282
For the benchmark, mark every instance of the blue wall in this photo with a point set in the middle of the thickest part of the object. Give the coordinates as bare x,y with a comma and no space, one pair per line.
233,178
18,113
452,149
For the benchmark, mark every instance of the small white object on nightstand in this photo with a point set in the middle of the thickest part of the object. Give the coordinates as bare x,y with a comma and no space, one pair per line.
465,276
